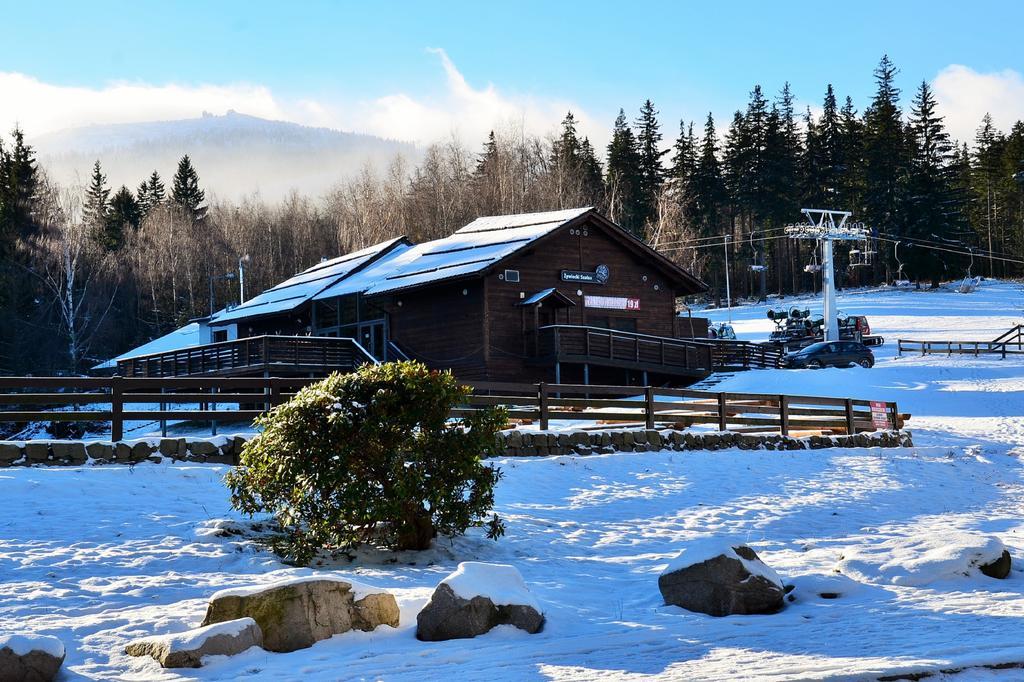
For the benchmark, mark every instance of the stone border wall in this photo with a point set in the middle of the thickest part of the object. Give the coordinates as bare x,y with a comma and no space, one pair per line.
227,449
532,443
220,449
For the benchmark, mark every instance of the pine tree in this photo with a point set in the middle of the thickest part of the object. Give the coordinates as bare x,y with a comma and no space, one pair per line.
850,165
988,151
151,193
829,144
186,193
708,187
123,215
885,153
97,203
931,206
652,173
591,173
684,167
625,202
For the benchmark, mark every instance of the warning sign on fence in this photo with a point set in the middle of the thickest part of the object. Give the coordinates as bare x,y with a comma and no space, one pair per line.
879,415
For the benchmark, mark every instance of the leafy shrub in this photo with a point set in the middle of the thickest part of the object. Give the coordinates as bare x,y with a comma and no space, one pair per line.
371,456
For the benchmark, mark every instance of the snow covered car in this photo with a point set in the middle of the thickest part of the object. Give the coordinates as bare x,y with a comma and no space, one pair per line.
830,354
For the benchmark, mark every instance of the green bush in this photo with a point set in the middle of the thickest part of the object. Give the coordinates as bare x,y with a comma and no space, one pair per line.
371,457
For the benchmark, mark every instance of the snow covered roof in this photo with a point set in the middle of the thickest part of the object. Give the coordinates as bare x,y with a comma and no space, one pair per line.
185,337
470,250
295,291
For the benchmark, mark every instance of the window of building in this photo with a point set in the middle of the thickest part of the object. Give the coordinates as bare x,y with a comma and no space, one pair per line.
220,335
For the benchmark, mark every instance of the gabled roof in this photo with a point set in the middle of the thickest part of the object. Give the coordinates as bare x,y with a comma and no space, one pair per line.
472,249
545,294
295,291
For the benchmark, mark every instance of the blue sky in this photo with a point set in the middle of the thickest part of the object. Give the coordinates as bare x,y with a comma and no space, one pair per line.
368,65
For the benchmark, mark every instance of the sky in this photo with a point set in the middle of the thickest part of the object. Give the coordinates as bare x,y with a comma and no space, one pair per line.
422,71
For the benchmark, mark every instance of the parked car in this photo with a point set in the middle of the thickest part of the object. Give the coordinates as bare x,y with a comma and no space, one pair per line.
830,354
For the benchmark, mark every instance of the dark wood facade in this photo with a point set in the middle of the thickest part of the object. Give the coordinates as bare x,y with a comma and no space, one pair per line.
480,328
584,302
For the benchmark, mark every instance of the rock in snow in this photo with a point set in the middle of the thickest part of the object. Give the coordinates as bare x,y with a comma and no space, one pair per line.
476,598
721,577
298,612
186,649
30,658
926,558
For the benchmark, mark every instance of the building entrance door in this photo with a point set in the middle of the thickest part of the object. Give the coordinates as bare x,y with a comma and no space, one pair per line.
372,337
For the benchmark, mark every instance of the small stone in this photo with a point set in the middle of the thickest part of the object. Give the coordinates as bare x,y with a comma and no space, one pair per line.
186,649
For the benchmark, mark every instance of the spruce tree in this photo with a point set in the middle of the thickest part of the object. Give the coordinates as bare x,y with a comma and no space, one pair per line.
591,174
684,167
151,194
186,193
988,152
931,207
123,215
623,181
97,203
708,187
652,173
885,152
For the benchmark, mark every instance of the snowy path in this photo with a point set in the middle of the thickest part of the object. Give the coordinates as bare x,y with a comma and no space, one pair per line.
99,556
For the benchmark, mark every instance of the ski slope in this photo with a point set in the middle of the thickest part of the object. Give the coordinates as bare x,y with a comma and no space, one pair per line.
101,555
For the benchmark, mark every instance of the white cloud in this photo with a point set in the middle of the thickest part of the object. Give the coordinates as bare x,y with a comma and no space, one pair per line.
461,109
40,107
965,95
455,107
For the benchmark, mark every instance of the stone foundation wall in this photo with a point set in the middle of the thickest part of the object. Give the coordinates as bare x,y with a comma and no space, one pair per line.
221,449
533,443
227,449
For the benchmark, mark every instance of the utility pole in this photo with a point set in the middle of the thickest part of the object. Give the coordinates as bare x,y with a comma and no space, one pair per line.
822,227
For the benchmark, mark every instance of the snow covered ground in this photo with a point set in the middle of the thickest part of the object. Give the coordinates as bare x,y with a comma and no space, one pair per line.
99,556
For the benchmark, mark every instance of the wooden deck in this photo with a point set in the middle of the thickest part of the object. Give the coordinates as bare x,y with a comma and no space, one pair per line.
254,356
644,352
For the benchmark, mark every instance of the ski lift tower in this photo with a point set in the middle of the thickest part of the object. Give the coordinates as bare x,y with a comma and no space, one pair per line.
828,226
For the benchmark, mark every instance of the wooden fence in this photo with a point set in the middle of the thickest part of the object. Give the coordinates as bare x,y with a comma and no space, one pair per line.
117,400
1010,343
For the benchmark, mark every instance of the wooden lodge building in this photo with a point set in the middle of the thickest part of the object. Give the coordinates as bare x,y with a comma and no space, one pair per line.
563,296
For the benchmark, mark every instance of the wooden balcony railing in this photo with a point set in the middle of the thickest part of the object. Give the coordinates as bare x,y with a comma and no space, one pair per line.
293,354
576,343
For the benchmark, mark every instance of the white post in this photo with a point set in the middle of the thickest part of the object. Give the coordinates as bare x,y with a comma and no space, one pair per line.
829,292
241,281
728,293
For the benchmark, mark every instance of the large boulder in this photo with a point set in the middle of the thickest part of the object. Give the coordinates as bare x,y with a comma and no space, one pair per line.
476,598
298,612
186,649
915,558
30,658
721,578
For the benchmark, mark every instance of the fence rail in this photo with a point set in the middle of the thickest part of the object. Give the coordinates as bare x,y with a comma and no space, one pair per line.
1009,343
682,408
118,400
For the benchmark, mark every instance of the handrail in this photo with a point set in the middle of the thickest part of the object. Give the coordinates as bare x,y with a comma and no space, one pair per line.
248,352
1000,345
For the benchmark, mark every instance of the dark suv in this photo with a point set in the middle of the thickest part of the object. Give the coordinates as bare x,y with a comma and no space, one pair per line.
830,353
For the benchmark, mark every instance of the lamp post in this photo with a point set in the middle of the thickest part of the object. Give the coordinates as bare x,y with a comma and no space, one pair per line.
242,262
213,278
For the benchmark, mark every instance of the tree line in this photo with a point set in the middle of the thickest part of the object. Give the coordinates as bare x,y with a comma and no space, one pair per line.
90,272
